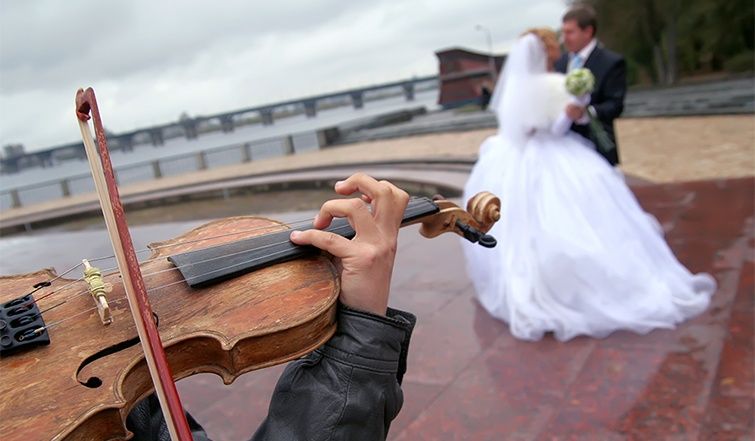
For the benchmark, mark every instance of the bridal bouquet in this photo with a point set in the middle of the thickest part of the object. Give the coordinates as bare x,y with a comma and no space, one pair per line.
580,83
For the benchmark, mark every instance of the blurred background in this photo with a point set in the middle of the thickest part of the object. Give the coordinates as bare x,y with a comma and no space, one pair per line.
153,62
216,109
193,86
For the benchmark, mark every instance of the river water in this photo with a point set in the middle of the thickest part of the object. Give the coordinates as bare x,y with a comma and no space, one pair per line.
65,246
302,127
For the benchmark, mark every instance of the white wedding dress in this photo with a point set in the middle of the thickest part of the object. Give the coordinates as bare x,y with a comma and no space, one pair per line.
576,253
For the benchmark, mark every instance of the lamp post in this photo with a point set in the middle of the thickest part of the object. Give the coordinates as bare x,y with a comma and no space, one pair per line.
491,62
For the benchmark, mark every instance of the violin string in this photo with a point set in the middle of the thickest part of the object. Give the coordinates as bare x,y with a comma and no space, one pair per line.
224,256
66,286
290,224
151,290
144,276
57,323
39,314
144,250
44,296
205,238
54,324
69,270
154,289
117,300
174,268
195,263
36,288
164,286
49,283
107,270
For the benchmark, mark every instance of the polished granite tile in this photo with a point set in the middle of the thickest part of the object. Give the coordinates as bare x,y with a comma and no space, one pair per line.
635,393
445,343
234,411
509,392
731,409
422,302
469,379
417,397
729,418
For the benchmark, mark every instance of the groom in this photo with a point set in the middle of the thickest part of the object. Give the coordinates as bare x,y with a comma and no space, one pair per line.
578,32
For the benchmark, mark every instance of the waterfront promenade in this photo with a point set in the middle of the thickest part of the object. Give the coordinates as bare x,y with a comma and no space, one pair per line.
653,149
468,378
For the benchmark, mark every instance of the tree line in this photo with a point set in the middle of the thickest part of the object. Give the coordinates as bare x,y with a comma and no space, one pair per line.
665,40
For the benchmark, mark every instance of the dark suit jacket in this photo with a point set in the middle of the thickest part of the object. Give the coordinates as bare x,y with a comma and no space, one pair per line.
609,69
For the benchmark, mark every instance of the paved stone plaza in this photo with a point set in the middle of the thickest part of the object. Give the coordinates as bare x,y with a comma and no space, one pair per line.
469,379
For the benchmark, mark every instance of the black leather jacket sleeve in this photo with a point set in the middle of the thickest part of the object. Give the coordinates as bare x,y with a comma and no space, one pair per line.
347,389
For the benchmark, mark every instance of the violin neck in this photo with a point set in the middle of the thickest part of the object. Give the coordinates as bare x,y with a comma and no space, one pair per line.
222,262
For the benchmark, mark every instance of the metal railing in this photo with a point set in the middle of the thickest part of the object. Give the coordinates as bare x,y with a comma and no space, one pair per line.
163,167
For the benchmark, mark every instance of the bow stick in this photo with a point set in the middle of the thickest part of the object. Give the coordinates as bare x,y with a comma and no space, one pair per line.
112,210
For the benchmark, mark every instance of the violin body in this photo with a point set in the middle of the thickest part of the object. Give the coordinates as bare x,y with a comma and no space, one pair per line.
85,382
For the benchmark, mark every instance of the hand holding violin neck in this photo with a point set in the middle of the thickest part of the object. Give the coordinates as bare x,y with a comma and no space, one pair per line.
215,264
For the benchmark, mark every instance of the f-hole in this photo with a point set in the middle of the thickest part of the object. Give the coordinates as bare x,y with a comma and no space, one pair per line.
95,382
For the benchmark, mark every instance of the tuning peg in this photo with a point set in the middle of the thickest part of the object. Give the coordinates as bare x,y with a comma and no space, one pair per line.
476,236
487,241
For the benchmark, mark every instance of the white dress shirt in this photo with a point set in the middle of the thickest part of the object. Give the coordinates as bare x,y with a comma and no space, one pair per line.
578,60
584,54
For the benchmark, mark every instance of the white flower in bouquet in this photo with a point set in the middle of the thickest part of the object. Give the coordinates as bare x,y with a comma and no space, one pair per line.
580,82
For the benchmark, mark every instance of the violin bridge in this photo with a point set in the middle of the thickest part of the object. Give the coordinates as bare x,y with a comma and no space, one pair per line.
98,289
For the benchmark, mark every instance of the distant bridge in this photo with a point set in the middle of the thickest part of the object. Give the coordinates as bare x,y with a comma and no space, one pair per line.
190,126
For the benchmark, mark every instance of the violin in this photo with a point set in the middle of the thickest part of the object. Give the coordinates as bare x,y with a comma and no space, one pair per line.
228,297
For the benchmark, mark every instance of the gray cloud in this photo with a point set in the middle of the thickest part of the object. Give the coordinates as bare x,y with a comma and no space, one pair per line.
149,61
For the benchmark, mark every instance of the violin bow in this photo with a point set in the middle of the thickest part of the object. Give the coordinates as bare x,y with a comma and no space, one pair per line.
128,265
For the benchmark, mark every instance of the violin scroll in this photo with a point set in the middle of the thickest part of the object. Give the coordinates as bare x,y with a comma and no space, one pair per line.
483,210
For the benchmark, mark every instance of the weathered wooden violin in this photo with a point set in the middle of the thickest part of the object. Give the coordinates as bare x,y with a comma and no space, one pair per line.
228,297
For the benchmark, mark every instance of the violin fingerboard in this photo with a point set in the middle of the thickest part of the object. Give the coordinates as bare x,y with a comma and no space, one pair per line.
222,262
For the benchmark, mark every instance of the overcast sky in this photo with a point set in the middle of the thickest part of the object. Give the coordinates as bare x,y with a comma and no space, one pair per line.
150,60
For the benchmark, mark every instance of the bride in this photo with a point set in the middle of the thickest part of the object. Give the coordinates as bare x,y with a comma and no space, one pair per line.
577,255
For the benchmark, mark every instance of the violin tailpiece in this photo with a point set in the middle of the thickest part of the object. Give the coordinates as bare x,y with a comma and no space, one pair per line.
21,326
